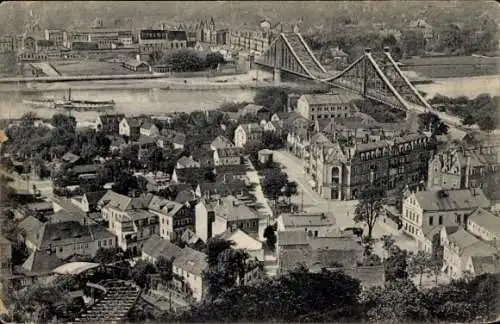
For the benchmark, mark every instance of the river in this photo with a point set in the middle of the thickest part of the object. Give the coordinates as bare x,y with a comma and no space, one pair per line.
130,101
469,86
155,101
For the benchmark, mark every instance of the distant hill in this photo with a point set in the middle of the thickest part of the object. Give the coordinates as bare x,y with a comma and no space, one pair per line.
136,14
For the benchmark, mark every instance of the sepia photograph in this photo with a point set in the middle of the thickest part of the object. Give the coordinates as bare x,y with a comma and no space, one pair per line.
249,161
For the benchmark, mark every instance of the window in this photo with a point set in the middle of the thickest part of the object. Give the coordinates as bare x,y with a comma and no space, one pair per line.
458,219
105,242
60,249
431,220
440,220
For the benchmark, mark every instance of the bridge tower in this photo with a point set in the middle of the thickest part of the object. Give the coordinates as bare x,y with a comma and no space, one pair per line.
277,62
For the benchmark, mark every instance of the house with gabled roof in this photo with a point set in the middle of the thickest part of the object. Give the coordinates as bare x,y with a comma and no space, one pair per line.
175,218
478,265
156,247
296,248
459,247
131,126
315,225
246,133
109,123
38,267
187,162
245,242
230,213
484,225
88,201
228,156
188,270
70,158
148,128
220,142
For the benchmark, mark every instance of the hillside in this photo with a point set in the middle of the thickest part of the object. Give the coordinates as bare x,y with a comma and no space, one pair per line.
135,14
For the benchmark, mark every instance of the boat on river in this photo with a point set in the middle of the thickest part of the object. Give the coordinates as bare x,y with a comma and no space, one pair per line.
71,104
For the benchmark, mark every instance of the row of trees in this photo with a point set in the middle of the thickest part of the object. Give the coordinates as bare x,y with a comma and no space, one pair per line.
187,60
482,110
334,296
42,143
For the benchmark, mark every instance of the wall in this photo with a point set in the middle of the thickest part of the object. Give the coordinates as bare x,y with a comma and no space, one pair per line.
303,108
239,137
219,226
201,223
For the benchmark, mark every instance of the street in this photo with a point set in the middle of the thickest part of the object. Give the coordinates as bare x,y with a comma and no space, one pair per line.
22,184
343,211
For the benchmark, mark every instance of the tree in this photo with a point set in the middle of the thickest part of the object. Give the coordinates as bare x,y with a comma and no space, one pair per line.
213,60
65,122
226,266
432,122
412,43
154,159
141,273
164,268
270,236
487,123
125,182
396,264
106,256
399,301
274,183
274,99
387,243
369,208
419,264
272,140
156,57
468,120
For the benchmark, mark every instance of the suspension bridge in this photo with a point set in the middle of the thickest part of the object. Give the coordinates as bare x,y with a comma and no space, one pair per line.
375,76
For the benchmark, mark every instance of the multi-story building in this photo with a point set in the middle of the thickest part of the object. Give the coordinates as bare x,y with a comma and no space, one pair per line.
216,216
175,218
228,156
129,219
456,168
206,31
105,38
7,44
343,171
250,40
5,256
246,133
162,40
422,211
223,37
56,36
188,268
326,106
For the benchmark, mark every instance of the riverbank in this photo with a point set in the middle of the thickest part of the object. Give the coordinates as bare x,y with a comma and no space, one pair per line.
462,86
